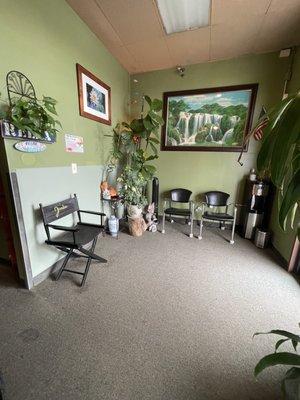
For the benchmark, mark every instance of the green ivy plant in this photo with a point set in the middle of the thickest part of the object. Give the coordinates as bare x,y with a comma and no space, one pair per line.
34,116
132,189
290,384
279,156
135,144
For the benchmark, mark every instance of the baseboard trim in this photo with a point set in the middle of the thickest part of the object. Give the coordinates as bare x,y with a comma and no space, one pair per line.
49,271
278,257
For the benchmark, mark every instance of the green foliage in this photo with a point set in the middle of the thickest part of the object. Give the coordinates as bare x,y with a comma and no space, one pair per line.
291,381
34,116
136,144
132,189
279,156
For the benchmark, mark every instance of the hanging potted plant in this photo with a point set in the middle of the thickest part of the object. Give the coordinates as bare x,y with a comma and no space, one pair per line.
32,115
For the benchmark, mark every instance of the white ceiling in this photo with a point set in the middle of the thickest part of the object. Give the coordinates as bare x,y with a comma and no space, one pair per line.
132,31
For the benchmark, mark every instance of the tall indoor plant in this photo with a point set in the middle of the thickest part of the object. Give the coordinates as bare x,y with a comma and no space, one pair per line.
135,146
279,156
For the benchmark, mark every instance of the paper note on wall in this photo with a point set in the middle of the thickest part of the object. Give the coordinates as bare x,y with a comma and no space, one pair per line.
74,144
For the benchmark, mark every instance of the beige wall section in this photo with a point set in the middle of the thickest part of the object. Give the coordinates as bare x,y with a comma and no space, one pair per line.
202,171
45,40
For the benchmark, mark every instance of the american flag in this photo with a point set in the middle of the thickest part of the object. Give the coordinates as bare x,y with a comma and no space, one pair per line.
258,130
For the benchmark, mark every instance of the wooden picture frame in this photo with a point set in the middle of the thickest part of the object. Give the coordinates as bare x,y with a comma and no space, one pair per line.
94,96
191,124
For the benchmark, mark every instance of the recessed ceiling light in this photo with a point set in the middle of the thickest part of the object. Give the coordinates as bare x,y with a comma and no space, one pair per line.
184,15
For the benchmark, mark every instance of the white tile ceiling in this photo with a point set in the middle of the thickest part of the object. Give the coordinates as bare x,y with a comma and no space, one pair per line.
132,31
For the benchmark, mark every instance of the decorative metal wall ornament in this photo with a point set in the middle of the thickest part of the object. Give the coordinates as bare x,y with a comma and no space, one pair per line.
9,131
18,85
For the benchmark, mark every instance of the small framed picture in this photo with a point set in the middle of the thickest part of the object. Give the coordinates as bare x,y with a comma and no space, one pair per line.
94,96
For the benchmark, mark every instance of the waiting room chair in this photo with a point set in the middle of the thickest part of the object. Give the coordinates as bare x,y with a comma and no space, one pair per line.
216,200
179,196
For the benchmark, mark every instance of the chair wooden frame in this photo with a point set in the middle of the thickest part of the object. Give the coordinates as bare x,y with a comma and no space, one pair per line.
75,238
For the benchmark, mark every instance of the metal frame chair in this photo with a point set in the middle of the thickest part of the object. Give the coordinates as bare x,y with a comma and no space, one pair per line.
179,196
75,238
218,199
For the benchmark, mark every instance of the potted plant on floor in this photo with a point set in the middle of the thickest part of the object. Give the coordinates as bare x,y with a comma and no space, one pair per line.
132,192
279,156
134,148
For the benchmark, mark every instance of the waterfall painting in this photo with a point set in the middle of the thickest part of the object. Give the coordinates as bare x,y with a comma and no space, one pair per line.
215,119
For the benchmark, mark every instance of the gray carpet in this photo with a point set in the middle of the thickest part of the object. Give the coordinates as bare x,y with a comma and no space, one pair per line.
168,318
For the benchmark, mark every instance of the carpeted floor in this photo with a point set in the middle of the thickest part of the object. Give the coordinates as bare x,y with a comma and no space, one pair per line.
168,318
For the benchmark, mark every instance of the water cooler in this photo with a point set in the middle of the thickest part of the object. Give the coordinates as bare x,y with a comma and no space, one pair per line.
256,206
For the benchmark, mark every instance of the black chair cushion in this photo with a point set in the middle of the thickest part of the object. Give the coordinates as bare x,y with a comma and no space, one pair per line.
85,234
213,216
177,211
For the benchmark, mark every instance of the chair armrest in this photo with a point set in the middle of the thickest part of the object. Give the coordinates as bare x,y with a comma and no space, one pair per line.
93,212
63,228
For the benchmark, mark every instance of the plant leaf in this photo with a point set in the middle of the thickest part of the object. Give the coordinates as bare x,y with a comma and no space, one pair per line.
156,105
291,196
279,343
156,118
287,136
280,332
137,125
148,100
148,124
270,360
154,149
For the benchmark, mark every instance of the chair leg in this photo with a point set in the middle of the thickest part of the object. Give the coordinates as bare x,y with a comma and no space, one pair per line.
192,226
233,228
201,228
64,264
163,226
86,271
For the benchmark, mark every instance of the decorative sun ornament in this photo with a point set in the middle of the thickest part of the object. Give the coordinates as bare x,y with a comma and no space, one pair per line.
94,98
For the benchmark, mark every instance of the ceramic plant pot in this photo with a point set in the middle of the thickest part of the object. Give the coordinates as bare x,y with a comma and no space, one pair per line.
134,211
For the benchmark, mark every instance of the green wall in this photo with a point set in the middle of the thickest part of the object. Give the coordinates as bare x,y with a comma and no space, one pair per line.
44,40
202,171
283,241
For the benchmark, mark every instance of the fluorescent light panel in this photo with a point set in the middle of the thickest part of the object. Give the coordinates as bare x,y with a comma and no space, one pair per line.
183,15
